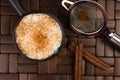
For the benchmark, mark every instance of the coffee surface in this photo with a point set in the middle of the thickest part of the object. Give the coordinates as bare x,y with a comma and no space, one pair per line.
38,36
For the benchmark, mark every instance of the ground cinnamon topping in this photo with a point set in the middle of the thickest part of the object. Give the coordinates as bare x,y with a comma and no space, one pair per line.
82,15
38,36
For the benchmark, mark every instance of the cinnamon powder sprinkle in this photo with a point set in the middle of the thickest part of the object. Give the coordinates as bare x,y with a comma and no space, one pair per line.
82,15
38,36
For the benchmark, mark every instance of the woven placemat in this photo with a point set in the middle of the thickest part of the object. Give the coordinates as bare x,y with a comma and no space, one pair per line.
13,66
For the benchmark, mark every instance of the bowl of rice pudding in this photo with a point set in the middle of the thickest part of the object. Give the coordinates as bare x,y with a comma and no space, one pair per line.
39,36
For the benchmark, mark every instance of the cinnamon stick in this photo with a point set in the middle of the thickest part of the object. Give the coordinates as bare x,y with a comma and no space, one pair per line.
76,64
91,58
94,60
80,61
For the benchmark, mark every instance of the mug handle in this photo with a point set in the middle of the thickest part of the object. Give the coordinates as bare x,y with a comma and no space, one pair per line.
64,2
115,38
17,6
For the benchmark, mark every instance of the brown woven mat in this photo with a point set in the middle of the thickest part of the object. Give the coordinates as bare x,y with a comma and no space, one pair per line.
13,66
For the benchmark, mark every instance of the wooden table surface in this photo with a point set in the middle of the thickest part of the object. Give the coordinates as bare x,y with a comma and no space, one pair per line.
14,66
